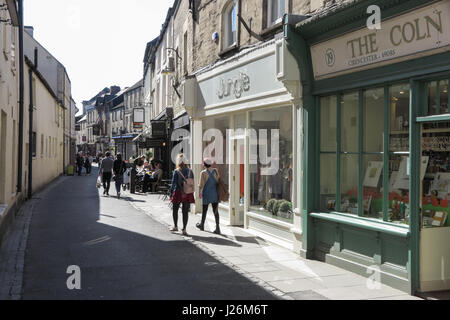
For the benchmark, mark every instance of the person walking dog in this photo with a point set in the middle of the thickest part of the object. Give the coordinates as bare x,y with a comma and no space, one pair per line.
208,192
182,191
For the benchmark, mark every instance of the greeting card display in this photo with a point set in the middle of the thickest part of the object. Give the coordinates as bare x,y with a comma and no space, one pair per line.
373,173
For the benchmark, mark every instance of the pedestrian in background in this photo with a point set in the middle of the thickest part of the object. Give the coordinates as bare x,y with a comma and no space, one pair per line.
119,169
182,193
208,192
80,163
106,169
88,164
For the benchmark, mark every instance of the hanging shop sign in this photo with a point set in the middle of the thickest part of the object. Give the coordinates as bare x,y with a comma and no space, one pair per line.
138,115
138,126
152,143
159,129
420,33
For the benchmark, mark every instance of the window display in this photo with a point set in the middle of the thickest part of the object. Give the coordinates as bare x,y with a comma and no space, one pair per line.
271,192
328,144
354,182
436,175
399,97
438,97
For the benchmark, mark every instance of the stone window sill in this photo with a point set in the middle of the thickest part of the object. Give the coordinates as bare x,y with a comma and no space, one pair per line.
228,50
378,226
270,31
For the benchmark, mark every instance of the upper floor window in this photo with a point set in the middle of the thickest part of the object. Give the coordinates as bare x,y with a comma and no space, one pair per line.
230,25
275,11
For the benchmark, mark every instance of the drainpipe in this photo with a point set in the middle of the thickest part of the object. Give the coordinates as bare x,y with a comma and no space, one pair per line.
30,135
64,123
21,98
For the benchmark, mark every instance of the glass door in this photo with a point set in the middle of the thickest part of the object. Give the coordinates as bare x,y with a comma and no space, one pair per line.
435,174
237,185
435,211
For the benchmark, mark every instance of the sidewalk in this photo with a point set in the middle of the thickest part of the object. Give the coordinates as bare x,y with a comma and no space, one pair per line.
275,268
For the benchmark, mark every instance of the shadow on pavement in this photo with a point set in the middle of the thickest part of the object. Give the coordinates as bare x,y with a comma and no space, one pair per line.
122,253
216,240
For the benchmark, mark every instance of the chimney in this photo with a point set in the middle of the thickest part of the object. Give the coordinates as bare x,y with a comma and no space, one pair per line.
29,30
114,90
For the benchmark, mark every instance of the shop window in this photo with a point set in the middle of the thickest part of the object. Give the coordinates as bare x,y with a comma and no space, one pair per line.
328,143
438,97
399,153
229,25
271,186
328,124
353,158
373,129
349,120
435,174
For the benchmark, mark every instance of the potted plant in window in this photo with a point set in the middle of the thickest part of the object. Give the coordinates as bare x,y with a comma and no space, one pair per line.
285,209
276,207
270,204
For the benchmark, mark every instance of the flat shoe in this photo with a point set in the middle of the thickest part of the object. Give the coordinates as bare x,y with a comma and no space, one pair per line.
200,226
184,233
174,229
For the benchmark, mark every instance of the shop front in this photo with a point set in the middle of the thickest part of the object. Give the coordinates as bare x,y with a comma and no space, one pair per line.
247,121
124,144
377,138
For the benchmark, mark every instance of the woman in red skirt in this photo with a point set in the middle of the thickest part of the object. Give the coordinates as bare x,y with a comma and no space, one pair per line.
179,198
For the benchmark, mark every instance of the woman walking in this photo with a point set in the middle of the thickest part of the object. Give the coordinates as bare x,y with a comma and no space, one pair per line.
182,191
119,169
208,192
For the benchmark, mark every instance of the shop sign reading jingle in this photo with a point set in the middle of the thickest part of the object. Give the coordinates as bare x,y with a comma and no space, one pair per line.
234,86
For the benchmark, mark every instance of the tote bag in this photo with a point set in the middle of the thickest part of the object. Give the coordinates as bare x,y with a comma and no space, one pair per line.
222,191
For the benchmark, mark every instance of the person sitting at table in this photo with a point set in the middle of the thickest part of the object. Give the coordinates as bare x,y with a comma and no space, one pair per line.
154,176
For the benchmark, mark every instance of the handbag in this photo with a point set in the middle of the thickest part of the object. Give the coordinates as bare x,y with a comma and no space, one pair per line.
189,183
99,182
222,191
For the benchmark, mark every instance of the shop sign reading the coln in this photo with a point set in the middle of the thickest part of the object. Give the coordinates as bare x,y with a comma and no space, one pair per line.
419,33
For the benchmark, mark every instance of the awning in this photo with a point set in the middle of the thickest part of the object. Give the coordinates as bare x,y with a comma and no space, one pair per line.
124,137
165,114
143,134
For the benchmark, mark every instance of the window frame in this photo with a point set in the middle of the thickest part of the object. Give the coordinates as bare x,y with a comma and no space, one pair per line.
226,31
386,153
269,3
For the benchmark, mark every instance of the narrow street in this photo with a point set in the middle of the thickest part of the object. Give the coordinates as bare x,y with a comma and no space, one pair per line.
122,253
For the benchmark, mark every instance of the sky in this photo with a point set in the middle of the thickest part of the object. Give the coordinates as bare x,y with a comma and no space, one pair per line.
100,42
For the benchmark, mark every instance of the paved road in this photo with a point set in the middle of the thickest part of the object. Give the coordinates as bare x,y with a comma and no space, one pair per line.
122,253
